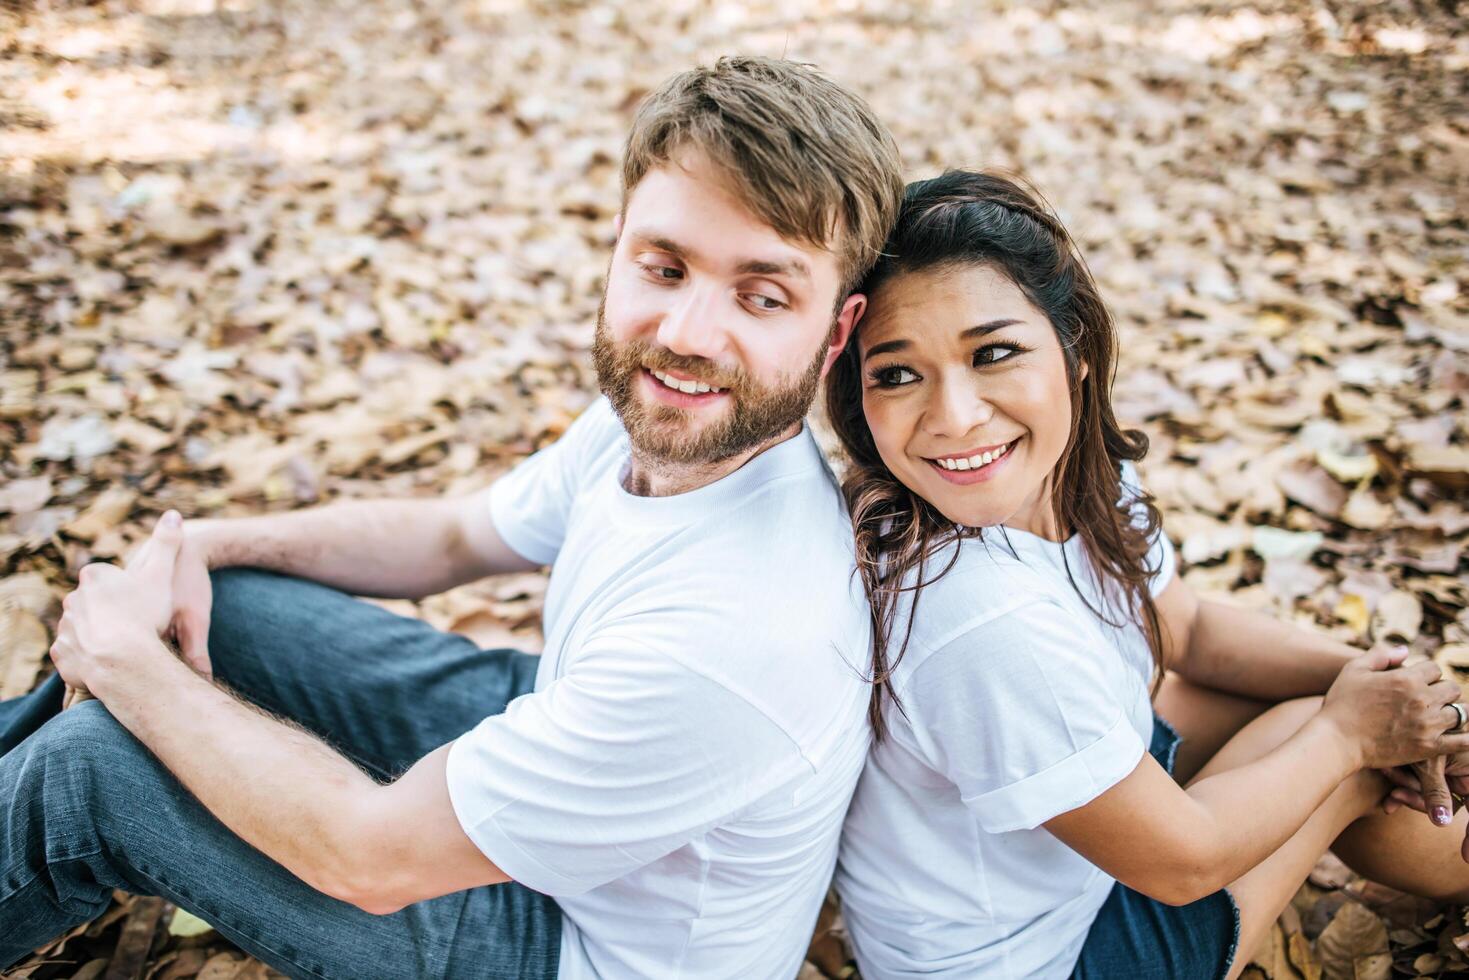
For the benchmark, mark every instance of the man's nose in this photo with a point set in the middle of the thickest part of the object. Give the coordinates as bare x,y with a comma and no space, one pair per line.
692,326
956,410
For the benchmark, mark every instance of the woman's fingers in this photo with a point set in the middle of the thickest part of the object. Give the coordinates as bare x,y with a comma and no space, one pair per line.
1434,789
1398,777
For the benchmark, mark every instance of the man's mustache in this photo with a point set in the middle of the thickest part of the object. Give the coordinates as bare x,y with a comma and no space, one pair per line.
699,368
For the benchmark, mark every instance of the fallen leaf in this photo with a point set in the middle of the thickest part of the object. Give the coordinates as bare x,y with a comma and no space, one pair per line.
110,508
23,645
1354,946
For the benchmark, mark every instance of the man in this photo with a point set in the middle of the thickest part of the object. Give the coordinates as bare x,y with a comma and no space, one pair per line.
662,792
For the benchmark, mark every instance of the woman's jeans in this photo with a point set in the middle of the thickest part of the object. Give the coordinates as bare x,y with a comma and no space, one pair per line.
85,808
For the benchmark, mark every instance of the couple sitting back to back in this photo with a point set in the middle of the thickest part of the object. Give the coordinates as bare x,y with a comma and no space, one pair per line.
973,634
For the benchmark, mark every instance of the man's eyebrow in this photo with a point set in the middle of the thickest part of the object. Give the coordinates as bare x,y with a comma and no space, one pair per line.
888,346
793,268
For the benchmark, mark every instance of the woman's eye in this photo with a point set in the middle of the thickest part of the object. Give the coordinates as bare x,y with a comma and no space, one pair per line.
892,377
993,354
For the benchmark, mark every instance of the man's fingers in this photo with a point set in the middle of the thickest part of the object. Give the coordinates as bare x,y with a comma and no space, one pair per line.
193,638
157,558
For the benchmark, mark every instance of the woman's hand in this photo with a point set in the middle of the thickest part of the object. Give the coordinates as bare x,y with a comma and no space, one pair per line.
1393,715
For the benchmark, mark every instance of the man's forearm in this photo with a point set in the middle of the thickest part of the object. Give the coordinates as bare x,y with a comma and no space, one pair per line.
275,786
1250,653
403,549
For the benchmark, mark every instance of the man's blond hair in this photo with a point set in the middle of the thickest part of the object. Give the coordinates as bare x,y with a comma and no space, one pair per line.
803,153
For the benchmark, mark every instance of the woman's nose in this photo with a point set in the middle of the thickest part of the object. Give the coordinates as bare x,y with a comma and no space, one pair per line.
957,410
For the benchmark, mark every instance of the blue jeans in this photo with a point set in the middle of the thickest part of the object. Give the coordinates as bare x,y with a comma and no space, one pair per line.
1135,937
87,808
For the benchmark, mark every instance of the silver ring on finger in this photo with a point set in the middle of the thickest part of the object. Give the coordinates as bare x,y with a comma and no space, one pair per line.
1463,717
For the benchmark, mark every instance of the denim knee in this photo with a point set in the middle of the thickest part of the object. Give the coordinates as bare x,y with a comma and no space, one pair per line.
73,771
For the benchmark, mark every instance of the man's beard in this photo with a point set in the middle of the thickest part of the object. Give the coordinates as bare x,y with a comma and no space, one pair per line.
756,415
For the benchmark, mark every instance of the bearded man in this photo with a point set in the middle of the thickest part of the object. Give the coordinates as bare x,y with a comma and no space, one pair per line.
348,793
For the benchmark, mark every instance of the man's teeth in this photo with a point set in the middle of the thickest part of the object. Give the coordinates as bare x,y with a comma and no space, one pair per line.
687,387
973,462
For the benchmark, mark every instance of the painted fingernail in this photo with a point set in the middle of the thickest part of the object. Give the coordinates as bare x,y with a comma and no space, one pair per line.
1441,816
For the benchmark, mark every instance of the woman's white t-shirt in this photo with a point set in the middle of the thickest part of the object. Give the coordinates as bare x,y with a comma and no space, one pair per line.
1019,703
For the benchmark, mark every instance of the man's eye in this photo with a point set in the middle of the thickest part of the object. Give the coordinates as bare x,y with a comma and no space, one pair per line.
762,302
665,272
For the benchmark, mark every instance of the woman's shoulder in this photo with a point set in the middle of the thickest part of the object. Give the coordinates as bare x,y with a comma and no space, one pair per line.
970,583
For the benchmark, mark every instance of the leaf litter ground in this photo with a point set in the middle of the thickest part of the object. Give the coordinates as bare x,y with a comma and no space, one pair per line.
256,255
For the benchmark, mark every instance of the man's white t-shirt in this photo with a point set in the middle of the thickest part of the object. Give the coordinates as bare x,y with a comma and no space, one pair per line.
1021,704
678,778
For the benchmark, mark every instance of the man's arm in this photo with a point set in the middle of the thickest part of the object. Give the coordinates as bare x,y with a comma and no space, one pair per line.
401,549
291,796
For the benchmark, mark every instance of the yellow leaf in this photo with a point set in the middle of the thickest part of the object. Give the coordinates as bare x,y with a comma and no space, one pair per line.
186,923
1352,610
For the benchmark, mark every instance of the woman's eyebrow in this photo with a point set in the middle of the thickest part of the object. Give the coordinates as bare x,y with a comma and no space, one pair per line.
888,346
984,328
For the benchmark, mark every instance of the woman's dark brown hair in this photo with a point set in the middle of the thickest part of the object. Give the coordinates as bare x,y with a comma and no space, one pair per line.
959,220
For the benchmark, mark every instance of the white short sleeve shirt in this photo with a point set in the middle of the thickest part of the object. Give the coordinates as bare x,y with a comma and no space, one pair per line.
678,778
1021,704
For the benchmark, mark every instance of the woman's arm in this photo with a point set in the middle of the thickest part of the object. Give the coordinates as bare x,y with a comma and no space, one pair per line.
1245,652
1179,845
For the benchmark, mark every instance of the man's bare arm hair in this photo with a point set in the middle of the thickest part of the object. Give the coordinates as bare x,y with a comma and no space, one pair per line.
398,549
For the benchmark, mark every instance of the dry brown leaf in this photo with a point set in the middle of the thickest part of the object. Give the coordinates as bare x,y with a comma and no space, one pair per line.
23,645
1272,959
1310,485
110,508
1398,617
28,591
1354,946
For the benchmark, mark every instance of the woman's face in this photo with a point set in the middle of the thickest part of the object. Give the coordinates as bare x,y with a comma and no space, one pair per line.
958,368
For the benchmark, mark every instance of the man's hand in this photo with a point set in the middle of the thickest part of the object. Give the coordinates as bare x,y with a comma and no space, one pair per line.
193,601
114,613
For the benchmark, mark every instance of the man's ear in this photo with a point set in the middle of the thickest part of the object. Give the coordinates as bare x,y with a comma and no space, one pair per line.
617,226
841,331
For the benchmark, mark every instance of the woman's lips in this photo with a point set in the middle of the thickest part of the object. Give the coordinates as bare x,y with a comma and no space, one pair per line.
986,472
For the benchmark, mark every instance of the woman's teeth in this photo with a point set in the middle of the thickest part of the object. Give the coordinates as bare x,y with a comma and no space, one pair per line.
687,387
973,462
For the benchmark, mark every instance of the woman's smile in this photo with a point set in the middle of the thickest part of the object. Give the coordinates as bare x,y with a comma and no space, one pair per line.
974,466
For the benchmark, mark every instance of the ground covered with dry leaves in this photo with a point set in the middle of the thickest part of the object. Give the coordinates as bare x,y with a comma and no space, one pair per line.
260,254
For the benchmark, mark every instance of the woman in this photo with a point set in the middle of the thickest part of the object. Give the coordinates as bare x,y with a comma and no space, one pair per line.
1017,816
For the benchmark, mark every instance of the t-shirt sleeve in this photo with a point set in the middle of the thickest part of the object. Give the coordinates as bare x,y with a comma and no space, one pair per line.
1019,713
627,757
531,505
1161,557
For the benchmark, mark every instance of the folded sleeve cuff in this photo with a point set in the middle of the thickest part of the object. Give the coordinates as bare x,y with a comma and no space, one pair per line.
516,533
494,843
1074,781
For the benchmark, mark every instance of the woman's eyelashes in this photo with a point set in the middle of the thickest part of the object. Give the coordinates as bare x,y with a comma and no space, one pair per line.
992,353
897,375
